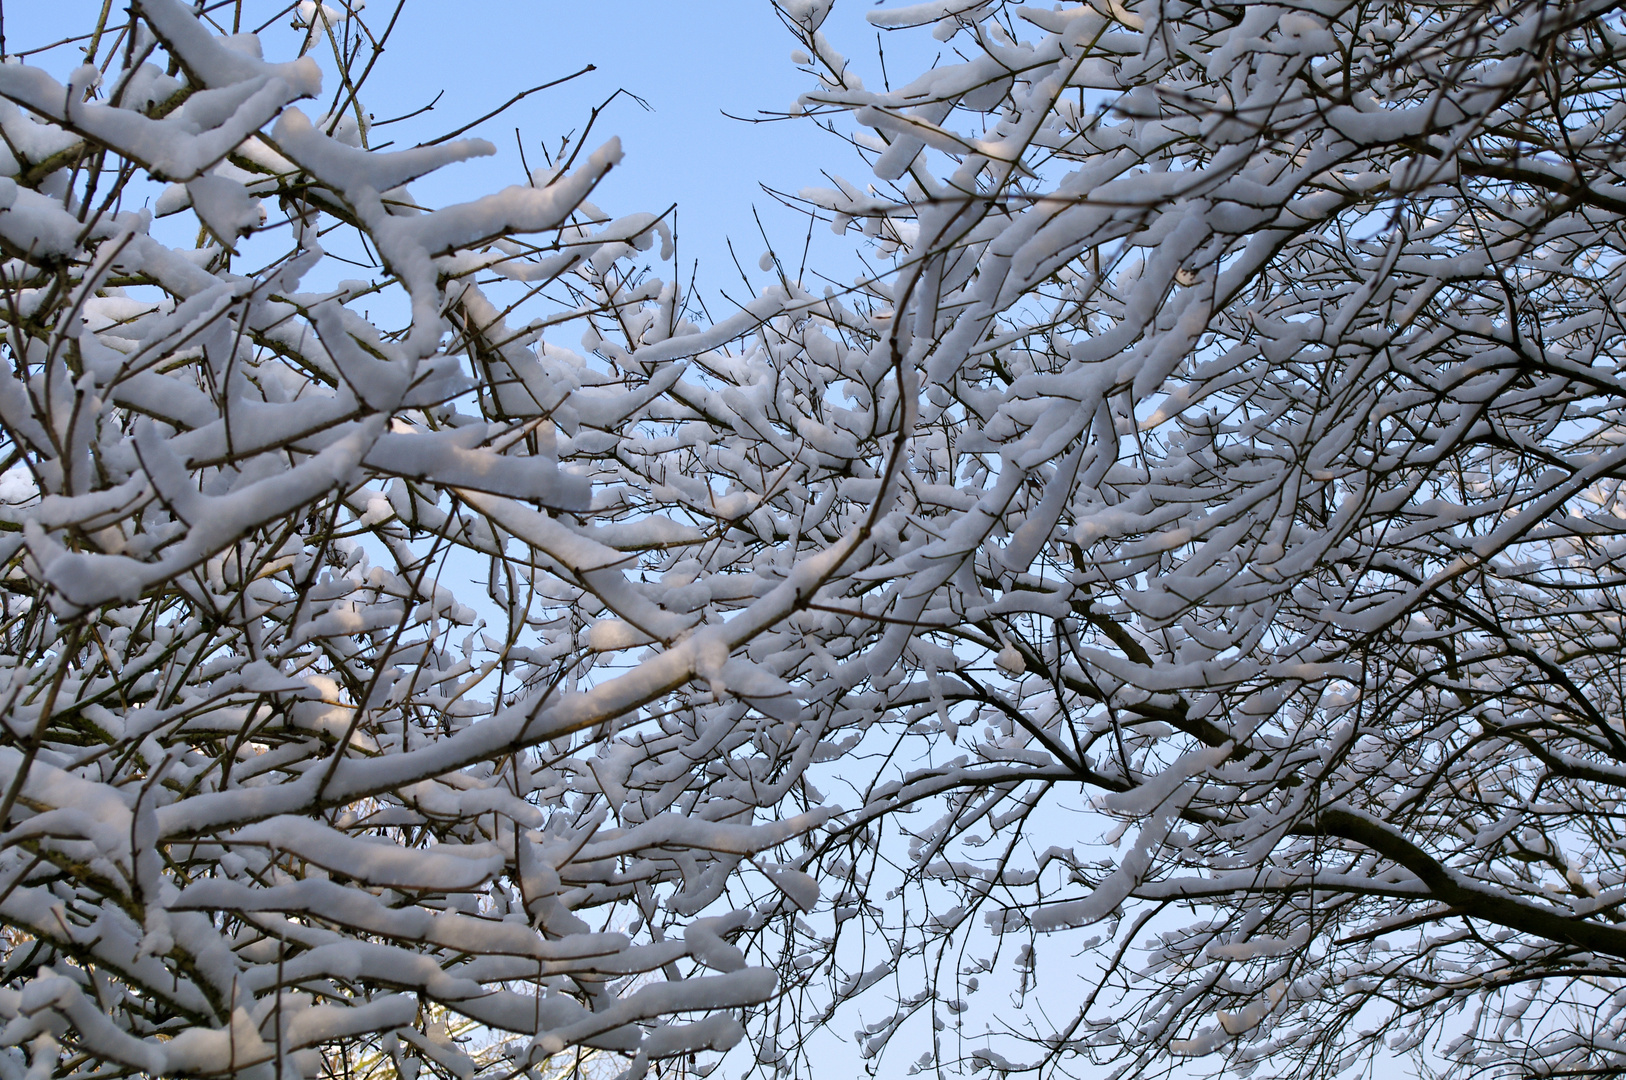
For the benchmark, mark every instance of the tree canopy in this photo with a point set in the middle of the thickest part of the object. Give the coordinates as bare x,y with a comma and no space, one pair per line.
1165,616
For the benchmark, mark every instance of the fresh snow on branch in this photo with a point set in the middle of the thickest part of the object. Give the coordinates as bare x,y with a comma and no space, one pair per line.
1166,614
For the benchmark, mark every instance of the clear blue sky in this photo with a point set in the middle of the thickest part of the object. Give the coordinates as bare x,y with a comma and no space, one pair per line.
691,62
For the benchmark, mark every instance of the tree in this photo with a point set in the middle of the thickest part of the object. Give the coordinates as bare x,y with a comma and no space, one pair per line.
276,801
1262,492
1228,441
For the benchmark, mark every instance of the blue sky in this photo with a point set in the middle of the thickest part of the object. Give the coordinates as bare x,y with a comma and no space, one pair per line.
691,63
